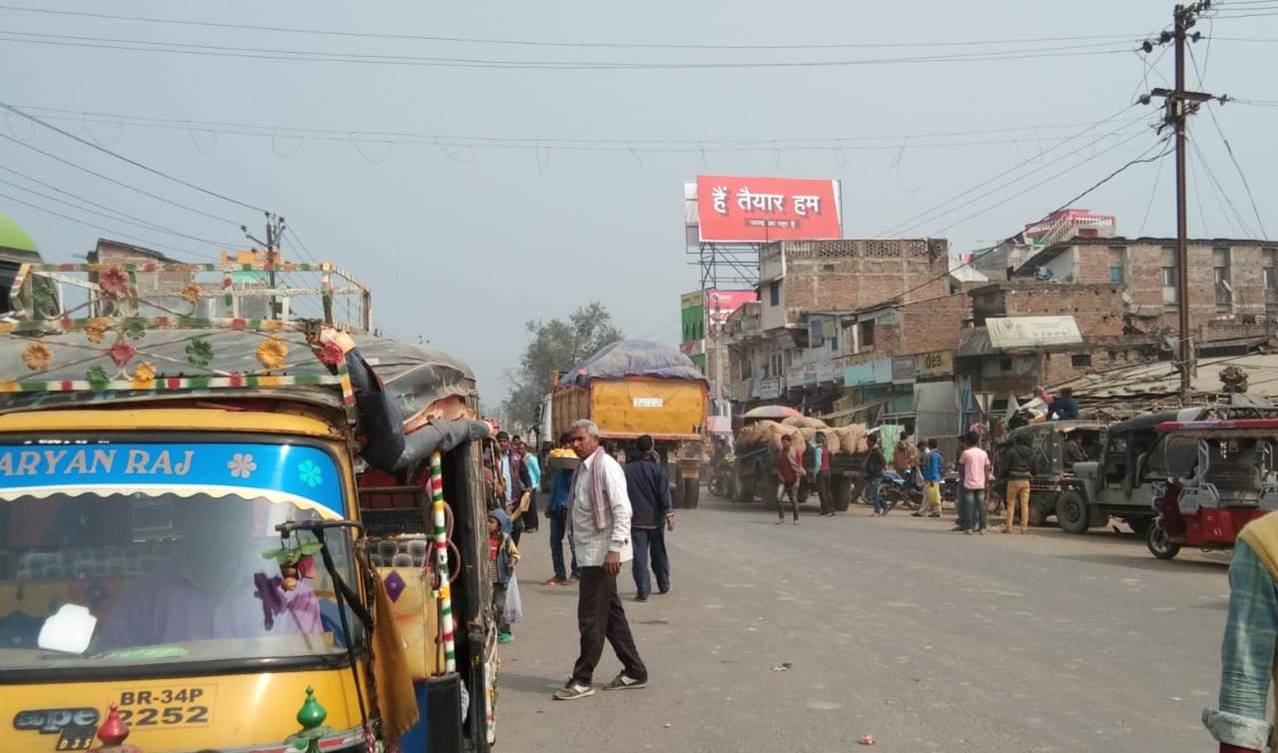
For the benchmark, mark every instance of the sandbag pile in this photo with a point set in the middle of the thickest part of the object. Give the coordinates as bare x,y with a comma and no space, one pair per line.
847,440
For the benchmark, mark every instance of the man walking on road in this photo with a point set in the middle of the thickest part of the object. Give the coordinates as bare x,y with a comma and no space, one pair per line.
557,513
932,468
600,514
1019,462
873,469
974,464
821,474
790,473
649,491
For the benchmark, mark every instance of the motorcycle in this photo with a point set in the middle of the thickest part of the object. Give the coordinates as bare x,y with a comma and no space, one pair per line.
722,478
901,489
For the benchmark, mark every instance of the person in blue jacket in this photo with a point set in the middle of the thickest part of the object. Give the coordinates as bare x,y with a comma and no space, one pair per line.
557,513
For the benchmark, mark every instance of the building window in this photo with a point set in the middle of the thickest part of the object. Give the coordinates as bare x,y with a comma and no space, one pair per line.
1117,265
774,293
834,337
1080,360
1171,276
747,368
1224,285
1004,364
1269,258
866,335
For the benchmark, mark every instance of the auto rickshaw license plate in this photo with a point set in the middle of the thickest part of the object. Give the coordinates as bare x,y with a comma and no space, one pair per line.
178,705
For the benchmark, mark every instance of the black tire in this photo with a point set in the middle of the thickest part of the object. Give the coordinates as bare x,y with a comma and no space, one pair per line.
1038,515
745,489
691,492
802,492
841,489
768,493
1071,512
676,495
1159,542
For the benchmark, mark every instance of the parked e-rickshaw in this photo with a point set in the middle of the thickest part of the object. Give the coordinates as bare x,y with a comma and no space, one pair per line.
1057,446
1222,474
194,538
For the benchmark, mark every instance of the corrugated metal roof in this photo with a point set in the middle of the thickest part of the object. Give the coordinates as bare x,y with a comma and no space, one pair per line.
1162,378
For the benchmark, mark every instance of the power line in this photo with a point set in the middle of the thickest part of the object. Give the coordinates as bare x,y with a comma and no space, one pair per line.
119,183
1211,175
539,43
110,214
985,252
893,141
288,230
1158,174
185,48
112,231
939,210
1069,169
1229,149
129,160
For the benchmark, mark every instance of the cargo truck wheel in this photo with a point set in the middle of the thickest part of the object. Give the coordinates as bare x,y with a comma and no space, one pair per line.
745,489
676,495
1071,512
1038,515
841,488
768,493
691,492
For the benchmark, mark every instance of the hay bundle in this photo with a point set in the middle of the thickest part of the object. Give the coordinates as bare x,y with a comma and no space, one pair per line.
803,422
852,440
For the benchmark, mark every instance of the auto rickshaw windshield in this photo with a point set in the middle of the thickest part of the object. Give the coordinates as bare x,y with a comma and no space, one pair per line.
103,579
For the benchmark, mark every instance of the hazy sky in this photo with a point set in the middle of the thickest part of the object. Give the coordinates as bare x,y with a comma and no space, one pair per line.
461,246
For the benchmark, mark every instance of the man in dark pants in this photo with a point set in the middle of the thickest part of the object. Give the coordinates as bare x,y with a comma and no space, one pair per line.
821,474
557,513
649,490
600,514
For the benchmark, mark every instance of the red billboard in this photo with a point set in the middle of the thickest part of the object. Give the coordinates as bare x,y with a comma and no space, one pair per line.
753,210
721,303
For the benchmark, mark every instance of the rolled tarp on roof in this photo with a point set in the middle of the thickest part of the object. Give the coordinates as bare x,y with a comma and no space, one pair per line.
629,358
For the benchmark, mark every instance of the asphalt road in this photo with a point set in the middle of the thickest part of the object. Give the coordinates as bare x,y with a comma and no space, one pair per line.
896,628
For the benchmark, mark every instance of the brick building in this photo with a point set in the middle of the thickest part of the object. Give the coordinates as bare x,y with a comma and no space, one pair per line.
800,276
1231,282
824,305
1100,310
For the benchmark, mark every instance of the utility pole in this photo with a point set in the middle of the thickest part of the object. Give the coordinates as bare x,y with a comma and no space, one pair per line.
1180,105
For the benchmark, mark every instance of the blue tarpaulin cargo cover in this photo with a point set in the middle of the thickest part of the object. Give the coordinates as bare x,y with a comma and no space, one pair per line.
627,358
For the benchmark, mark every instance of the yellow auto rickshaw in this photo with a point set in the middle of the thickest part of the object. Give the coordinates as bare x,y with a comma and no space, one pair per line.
213,513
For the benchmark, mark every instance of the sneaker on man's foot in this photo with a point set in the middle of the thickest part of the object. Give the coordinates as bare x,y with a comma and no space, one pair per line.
641,597
622,682
572,691
935,515
505,637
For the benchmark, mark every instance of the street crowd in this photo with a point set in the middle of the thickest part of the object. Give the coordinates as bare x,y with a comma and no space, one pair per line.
611,511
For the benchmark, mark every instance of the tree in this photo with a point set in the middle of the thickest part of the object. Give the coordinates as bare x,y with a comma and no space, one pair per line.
555,345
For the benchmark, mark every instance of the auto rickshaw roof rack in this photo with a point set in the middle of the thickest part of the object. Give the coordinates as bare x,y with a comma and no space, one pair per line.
241,326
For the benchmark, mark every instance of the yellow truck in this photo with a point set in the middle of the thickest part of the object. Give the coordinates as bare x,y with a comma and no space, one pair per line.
195,536
635,387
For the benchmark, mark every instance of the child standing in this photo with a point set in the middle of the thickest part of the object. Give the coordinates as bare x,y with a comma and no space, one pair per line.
502,558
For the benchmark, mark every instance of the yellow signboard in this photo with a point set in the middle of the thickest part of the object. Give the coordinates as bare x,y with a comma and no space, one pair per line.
938,363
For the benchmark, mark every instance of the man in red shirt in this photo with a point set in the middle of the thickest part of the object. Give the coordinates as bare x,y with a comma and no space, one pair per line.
790,472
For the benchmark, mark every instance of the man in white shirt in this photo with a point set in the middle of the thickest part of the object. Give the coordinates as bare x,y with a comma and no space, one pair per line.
599,510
